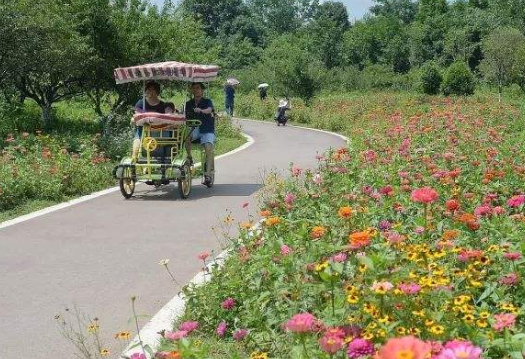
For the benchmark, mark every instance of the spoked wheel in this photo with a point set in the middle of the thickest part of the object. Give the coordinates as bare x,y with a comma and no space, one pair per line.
127,187
185,182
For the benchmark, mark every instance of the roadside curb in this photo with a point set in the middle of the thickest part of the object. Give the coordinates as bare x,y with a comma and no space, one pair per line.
58,207
165,318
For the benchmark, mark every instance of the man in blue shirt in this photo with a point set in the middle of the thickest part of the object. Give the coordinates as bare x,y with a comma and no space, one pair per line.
201,108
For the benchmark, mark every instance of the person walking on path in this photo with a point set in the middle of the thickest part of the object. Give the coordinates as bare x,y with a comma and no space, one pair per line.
229,94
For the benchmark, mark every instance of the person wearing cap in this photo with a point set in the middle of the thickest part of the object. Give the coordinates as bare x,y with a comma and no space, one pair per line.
201,108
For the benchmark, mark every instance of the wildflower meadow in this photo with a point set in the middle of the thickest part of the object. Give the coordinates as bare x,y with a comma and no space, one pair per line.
407,244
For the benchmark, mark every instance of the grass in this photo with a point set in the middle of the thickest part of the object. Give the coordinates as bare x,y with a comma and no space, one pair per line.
75,122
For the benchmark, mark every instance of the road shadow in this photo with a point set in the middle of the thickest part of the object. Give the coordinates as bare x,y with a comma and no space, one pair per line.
198,192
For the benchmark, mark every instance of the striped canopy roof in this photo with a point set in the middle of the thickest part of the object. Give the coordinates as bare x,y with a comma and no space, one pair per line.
171,70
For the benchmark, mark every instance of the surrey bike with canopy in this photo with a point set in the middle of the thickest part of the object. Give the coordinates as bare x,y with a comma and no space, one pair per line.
162,157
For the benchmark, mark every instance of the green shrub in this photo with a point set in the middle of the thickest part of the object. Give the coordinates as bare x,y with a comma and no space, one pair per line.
458,80
430,79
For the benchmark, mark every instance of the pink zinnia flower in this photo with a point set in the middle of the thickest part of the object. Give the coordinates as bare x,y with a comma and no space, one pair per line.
331,343
240,334
460,350
296,171
505,320
203,256
424,195
339,257
516,201
410,288
483,210
137,356
382,286
228,303
359,348
406,347
384,225
302,323
289,198
512,256
370,156
498,210
221,329
318,179
419,230
394,237
510,279
189,326
285,250
177,335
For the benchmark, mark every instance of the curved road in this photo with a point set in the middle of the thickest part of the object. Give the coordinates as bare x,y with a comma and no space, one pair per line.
99,253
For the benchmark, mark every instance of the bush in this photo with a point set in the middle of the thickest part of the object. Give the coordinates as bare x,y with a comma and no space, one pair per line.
458,80
430,79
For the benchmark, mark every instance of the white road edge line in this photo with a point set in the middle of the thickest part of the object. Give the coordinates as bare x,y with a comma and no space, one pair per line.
174,309
58,207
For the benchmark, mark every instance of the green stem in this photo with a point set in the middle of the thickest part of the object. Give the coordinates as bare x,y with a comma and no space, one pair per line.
333,298
303,340
137,325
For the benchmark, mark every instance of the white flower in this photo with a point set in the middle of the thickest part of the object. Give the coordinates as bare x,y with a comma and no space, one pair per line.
164,262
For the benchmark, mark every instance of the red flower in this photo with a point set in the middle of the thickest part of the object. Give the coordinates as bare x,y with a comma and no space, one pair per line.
424,195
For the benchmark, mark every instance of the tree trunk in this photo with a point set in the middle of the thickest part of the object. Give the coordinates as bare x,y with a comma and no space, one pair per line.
47,115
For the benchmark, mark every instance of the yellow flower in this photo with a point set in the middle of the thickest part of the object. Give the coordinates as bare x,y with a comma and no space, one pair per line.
381,333
352,318
350,289
368,335
429,322
414,331
484,315
482,323
124,335
437,329
93,328
412,256
259,355
352,299
104,352
420,313
493,248
401,330
385,319
321,266
475,283
469,318
362,268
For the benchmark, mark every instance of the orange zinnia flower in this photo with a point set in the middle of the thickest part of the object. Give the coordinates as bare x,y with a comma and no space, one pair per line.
345,212
467,217
450,234
359,239
271,221
317,232
265,213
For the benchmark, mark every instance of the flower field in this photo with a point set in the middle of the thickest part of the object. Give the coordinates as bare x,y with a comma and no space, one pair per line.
408,244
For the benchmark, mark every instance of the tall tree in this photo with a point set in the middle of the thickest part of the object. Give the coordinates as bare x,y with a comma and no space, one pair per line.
500,50
326,33
405,10
50,66
429,9
214,14
283,16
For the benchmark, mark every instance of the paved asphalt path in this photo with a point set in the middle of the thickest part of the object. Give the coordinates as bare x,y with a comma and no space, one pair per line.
97,254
